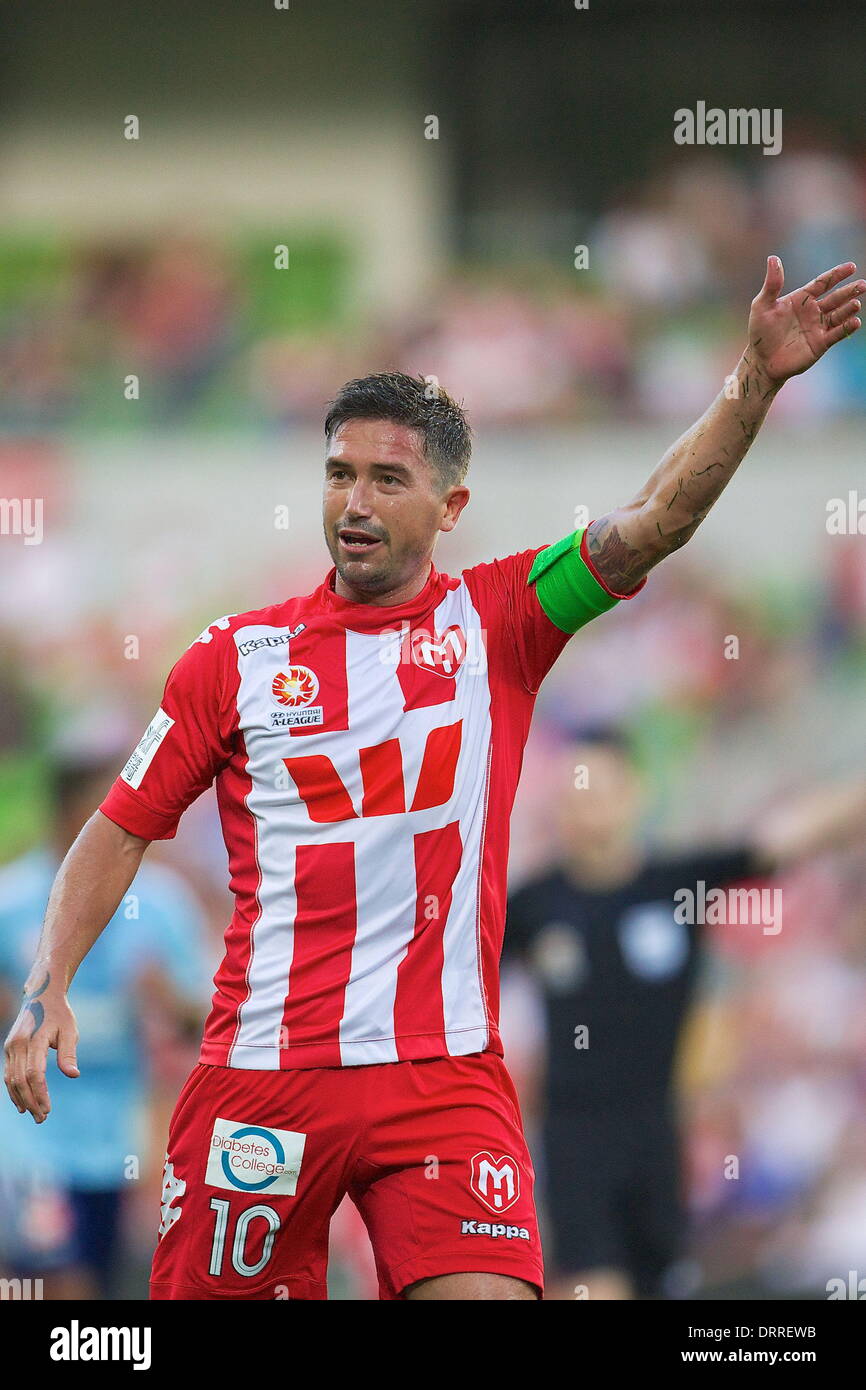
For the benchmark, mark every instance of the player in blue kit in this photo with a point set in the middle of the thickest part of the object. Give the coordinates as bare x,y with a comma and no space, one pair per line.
62,1185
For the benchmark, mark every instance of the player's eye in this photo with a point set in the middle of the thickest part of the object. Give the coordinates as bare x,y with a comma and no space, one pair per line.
390,478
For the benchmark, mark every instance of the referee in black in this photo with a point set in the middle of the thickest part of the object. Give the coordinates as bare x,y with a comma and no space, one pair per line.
602,934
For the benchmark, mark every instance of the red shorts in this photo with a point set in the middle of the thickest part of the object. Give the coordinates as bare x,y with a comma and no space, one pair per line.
432,1154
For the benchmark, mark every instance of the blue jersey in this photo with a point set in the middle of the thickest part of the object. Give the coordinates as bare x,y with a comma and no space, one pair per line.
94,1121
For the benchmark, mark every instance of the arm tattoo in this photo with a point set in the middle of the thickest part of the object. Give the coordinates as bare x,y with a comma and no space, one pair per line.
619,564
32,1006
623,566
625,545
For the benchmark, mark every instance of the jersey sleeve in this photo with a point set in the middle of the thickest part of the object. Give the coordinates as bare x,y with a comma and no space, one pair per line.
188,741
544,596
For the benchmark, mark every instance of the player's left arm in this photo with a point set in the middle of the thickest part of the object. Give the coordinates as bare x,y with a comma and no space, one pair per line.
821,818
787,335
831,816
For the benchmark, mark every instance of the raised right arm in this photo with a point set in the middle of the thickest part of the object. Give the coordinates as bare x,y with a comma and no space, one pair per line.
89,887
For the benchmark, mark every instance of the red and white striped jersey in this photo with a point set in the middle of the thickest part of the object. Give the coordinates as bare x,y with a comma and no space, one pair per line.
366,761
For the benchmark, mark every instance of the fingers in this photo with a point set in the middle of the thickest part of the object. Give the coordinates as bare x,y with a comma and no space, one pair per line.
773,280
842,314
25,1077
824,282
844,330
10,1078
34,1075
66,1059
839,295
27,1056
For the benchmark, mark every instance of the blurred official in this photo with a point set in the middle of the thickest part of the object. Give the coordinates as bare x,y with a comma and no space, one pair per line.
604,937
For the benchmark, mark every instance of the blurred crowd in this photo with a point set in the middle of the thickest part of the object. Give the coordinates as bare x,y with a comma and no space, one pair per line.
643,324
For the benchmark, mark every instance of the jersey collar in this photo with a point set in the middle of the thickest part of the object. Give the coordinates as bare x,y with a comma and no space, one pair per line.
374,617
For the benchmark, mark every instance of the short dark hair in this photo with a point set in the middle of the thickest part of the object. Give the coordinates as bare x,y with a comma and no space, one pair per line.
601,735
72,779
416,401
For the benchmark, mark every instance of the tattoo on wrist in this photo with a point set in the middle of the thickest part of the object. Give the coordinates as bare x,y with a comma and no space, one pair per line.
32,1005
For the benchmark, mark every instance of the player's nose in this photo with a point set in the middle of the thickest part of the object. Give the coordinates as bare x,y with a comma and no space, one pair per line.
359,501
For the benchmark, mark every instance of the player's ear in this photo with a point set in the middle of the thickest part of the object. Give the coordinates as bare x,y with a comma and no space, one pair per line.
455,500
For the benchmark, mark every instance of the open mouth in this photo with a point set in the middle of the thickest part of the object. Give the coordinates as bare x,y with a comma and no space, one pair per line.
357,542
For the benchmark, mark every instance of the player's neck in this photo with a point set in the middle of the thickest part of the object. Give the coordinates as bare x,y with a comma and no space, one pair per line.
391,598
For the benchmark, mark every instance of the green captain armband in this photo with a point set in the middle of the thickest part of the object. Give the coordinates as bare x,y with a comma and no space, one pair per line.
568,588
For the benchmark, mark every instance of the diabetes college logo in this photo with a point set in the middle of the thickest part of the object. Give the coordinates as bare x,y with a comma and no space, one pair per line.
250,1158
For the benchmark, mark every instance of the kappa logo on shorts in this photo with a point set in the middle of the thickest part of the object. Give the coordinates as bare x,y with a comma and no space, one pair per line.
173,1189
495,1181
494,1229
251,1158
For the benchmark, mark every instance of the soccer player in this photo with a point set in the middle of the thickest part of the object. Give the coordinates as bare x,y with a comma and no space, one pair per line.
614,954
62,1187
366,740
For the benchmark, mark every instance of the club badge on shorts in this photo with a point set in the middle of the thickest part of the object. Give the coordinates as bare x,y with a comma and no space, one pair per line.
495,1181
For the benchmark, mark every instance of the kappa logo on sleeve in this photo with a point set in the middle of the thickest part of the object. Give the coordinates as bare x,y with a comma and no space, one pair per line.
252,1158
142,756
